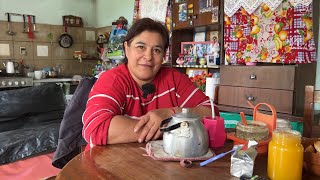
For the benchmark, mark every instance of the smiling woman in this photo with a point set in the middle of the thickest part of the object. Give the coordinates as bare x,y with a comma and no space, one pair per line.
118,109
145,57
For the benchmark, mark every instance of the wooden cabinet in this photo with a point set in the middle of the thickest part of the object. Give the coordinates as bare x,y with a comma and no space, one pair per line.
186,23
279,85
205,18
187,14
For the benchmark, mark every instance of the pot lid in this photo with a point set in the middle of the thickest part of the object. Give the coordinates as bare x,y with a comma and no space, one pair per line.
185,114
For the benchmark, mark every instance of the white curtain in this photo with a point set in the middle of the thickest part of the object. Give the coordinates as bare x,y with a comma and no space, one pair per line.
154,9
231,6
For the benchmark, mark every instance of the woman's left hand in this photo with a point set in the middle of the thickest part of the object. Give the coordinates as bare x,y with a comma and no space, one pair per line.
150,123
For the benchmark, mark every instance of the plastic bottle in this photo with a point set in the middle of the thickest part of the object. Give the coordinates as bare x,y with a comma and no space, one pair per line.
285,155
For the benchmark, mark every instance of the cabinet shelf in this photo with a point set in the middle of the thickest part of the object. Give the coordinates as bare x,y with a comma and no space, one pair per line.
209,27
196,66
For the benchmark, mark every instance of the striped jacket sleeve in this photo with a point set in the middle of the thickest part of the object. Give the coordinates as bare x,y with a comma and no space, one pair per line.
104,102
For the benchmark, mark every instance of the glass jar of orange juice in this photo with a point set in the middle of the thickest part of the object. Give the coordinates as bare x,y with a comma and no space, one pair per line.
285,155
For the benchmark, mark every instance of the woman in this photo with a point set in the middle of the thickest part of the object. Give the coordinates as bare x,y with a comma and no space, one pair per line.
128,103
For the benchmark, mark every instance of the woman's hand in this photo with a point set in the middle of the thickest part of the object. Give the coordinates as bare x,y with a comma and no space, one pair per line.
150,123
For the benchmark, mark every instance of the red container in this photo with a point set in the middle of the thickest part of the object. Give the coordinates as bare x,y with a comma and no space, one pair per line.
216,131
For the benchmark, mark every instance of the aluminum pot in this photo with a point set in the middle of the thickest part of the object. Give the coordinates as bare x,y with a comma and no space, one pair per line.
185,136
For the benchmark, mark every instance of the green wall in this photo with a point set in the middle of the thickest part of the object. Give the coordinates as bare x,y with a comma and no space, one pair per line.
50,11
110,10
95,13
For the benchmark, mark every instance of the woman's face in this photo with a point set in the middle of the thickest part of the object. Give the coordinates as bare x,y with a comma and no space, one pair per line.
145,55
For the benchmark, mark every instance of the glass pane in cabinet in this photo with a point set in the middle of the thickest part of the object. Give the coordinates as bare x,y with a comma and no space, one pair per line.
206,12
182,13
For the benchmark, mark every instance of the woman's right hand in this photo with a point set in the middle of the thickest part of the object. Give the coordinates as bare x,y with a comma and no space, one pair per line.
149,124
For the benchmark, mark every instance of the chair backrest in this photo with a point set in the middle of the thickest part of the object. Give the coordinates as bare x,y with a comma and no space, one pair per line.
311,96
70,138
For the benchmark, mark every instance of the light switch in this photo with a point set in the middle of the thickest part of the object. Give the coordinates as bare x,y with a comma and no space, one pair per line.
23,51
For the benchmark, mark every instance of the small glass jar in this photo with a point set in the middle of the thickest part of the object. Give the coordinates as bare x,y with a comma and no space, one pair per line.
282,124
285,155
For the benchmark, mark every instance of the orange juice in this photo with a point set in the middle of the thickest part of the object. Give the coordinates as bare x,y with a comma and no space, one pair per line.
285,155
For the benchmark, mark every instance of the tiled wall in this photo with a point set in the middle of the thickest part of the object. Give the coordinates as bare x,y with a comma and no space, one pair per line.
56,54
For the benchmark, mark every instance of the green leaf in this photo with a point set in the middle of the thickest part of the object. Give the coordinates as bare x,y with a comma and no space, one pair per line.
301,32
281,24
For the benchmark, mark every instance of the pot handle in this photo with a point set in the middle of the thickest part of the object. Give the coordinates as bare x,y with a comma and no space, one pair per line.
16,64
165,121
175,126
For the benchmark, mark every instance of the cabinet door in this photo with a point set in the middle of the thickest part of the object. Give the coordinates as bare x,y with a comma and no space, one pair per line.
282,100
271,77
182,12
206,12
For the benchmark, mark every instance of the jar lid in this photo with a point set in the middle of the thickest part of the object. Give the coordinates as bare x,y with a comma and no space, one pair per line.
252,126
282,122
288,132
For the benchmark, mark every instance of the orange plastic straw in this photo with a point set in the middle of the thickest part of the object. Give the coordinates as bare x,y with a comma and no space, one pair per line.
243,118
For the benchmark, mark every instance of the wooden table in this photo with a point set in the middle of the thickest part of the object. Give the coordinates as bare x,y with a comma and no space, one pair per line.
126,161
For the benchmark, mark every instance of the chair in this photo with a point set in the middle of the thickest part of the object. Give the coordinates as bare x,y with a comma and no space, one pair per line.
311,97
71,141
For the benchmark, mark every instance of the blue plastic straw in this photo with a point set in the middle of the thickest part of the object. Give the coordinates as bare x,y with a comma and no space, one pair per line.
216,157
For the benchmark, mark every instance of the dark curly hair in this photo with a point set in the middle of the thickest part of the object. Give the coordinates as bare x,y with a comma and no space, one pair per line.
147,24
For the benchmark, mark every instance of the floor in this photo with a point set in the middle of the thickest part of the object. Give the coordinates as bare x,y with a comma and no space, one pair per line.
35,168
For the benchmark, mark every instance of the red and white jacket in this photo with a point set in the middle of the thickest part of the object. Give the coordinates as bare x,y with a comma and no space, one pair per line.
116,93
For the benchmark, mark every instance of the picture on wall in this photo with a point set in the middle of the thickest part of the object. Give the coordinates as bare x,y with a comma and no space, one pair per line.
213,60
183,12
199,37
215,14
214,36
205,6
